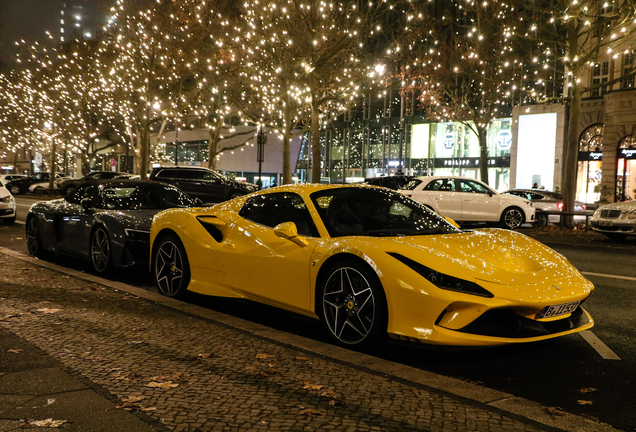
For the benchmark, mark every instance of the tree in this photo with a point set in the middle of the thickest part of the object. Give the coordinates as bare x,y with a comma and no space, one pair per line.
462,62
579,34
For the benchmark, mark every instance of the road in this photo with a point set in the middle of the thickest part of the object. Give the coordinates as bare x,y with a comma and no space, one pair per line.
589,376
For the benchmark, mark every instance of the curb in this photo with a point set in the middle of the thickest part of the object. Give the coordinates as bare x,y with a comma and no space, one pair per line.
505,403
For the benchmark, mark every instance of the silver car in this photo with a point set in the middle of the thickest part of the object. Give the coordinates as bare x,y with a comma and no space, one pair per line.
547,201
616,220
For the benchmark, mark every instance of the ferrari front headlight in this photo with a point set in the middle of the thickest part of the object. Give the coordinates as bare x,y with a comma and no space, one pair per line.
443,281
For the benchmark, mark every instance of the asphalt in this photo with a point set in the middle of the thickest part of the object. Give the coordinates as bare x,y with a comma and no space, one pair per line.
81,353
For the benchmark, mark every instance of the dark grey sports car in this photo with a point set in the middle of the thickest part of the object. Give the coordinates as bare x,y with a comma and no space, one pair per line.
106,222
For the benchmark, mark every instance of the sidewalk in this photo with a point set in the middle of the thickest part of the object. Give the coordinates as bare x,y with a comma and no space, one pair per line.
105,356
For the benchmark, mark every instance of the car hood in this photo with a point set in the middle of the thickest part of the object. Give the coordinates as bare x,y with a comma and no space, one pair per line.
492,255
623,206
4,192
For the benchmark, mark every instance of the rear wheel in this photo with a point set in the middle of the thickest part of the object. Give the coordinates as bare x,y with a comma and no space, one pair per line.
14,189
171,267
512,218
100,250
353,305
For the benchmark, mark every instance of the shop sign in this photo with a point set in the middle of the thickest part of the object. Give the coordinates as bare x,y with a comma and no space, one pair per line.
449,141
498,162
504,139
628,153
590,156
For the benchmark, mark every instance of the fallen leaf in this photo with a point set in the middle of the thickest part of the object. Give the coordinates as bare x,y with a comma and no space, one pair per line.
48,423
308,386
263,356
165,385
336,403
588,390
302,358
329,394
163,378
332,368
555,411
205,355
134,399
584,402
310,412
47,311
15,351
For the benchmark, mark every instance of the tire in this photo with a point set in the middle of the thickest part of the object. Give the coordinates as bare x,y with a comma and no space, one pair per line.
170,267
68,190
34,238
38,190
9,221
541,220
352,304
512,218
14,189
101,256
615,236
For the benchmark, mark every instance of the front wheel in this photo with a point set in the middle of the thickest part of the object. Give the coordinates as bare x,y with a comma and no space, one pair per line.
14,189
100,250
353,304
171,267
512,218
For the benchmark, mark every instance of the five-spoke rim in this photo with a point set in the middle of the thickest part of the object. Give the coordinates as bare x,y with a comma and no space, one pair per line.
169,268
513,218
348,305
100,250
33,236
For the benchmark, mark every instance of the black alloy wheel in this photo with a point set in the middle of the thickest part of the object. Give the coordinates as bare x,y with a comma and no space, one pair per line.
171,267
34,238
353,304
512,218
100,250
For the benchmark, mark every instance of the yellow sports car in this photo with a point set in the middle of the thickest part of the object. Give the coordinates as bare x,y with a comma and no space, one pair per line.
368,262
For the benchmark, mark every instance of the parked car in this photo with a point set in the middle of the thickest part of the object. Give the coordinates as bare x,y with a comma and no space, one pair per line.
468,200
70,184
8,209
394,182
547,201
40,188
616,221
106,221
6,178
20,186
208,185
368,262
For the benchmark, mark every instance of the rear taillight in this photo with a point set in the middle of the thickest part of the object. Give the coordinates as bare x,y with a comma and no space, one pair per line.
583,207
560,206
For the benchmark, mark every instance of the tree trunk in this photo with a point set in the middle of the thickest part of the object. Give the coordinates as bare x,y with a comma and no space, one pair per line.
145,152
483,154
287,174
212,146
571,155
316,155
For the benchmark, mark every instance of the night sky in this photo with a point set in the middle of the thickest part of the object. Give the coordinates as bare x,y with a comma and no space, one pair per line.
29,20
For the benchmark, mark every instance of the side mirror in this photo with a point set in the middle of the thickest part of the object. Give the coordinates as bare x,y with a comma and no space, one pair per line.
452,222
86,203
288,230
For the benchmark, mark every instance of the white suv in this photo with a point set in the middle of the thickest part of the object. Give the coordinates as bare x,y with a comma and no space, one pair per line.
468,200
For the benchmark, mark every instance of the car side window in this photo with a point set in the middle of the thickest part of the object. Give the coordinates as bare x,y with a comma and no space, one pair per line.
86,191
276,208
534,196
447,185
473,187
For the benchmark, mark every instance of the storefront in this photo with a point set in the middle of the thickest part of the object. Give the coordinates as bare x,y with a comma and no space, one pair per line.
626,169
590,159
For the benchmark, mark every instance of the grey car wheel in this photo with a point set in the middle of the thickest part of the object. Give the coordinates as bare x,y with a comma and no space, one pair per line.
15,190
100,250
512,218
353,304
171,267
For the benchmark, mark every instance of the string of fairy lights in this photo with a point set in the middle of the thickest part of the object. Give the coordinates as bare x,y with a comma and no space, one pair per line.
213,66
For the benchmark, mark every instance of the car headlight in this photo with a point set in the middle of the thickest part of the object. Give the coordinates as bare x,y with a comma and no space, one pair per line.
632,215
530,203
443,281
7,199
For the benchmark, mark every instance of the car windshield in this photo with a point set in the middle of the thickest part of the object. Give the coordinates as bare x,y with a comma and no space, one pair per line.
376,212
411,185
137,197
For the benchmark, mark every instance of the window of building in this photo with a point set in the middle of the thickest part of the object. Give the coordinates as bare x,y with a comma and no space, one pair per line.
628,67
600,74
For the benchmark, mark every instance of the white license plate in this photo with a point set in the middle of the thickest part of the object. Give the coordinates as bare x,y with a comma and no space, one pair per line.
562,309
605,223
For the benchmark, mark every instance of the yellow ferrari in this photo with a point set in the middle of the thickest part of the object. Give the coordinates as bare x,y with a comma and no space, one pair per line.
368,262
